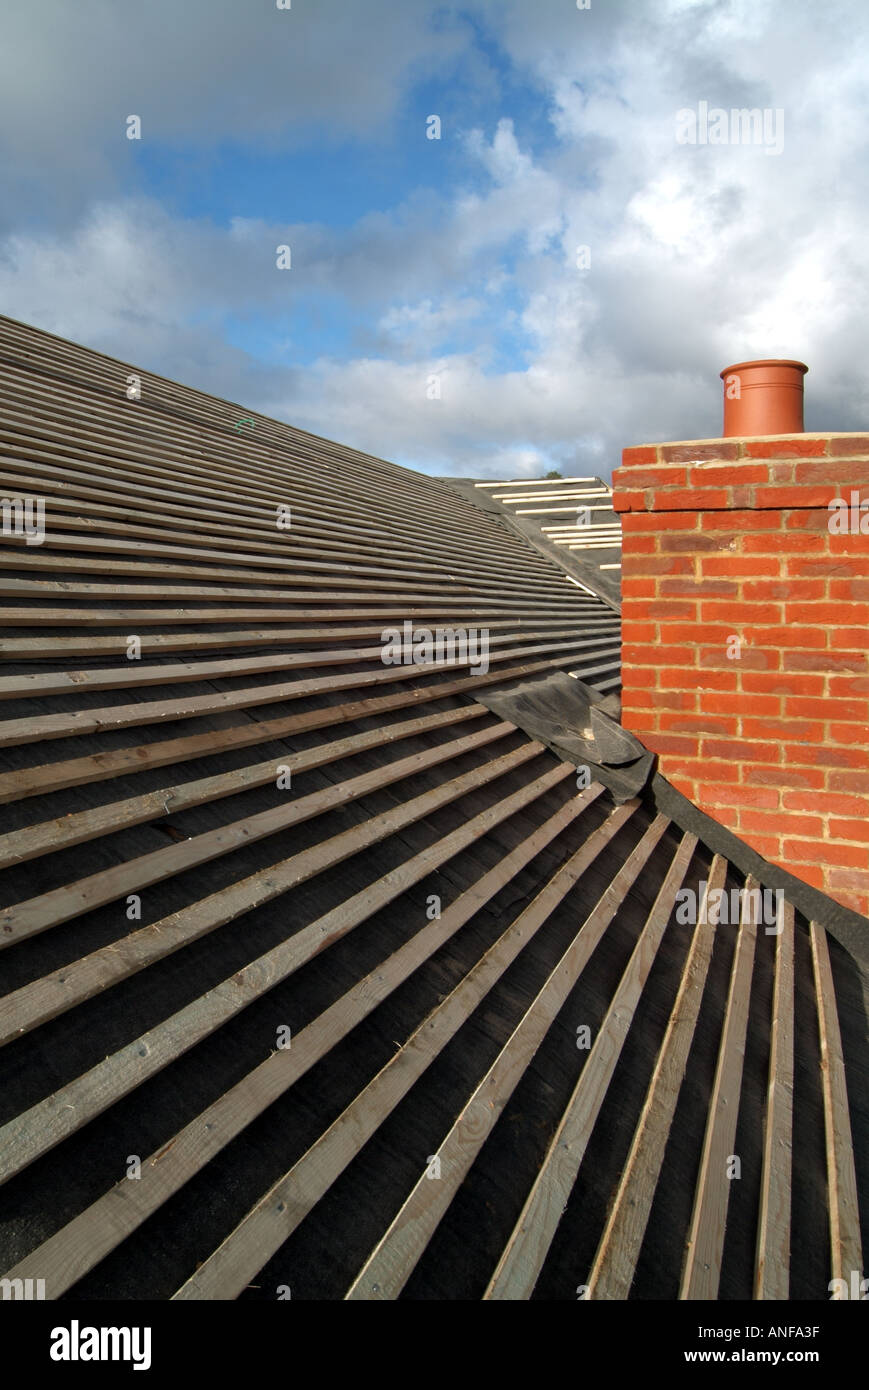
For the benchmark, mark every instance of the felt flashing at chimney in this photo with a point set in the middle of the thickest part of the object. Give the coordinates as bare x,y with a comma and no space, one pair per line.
850,928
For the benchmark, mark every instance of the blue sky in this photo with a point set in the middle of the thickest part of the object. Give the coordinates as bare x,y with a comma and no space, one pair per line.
451,259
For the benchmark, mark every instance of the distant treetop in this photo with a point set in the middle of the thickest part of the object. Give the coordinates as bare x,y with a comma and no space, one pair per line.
552,475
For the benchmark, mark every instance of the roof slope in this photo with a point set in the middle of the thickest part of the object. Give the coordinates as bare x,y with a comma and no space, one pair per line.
299,949
571,520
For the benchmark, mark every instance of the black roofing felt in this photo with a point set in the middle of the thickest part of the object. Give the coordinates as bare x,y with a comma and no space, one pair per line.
266,907
567,716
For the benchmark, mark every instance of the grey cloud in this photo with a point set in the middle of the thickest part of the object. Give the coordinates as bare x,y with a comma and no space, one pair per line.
699,256
204,71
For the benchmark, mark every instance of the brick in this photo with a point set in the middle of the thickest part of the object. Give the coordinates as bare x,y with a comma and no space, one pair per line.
690,588
725,815
782,777
767,845
796,729
843,447
640,609
638,588
683,786
694,499
669,743
676,678
721,794
659,477
781,472
848,639
803,638
693,453
638,545
678,722
639,677
737,522
815,519
792,542
845,687
740,703
639,454
750,659
804,707
742,750
693,543
659,564
824,566
780,683
662,521
797,495
793,590
831,471
785,448
719,610
633,720
629,500
699,768
728,474
850,733
717,680
825,755
827,613
693,633
849,878
847,545
824,661
742,566
809,873
827,852
830,803
850,782
771,822
654,655
849,830
637,699
844,590
675,700
670,609
639,632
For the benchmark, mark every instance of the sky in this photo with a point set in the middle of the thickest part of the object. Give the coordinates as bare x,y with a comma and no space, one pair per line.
549,271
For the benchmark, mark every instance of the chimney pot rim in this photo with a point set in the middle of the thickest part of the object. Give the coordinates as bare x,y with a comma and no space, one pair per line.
764,362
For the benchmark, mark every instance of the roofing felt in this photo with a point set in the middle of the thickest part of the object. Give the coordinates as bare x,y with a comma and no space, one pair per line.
313,965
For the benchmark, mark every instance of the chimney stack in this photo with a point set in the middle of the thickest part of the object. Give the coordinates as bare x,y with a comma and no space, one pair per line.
745,609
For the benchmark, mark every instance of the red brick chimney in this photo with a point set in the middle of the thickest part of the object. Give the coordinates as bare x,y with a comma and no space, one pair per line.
745,611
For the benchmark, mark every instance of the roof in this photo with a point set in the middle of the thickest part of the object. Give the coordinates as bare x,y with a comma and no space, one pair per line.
570,520
312,965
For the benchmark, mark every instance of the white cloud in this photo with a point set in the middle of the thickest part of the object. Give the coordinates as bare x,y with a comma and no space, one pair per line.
421,324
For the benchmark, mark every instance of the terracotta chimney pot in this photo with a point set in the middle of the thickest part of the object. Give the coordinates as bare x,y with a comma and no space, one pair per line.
764,397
